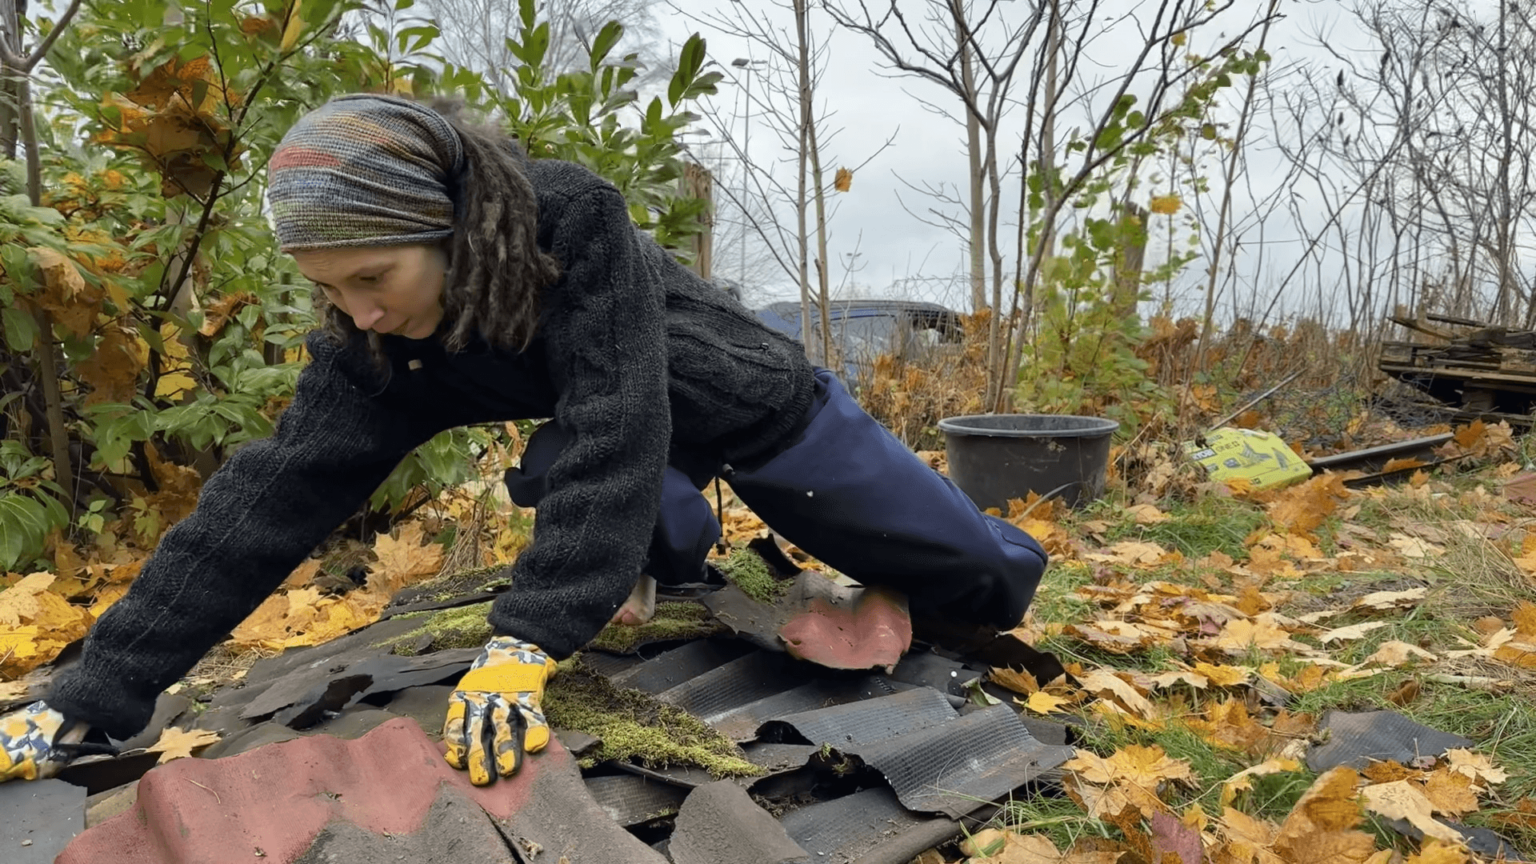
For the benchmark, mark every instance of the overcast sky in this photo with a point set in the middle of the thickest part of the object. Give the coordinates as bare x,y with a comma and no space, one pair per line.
869,106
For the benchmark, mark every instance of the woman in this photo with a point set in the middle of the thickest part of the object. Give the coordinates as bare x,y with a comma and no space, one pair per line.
459,282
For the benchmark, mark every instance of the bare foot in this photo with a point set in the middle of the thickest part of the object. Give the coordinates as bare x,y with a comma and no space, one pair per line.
640,606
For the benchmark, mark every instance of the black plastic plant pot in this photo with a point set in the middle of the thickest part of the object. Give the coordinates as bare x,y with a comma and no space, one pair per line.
995,457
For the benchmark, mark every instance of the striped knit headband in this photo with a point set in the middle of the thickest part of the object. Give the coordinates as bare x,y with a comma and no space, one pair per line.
364,170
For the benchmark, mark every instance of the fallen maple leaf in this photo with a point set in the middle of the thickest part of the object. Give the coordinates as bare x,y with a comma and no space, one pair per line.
403,561
1146,514
1384,600
1394,653
1104,683
1262,633
1475,765
1320,828
1450,793
1135,765
1136,553
1414,547
1042,702
177,743
1403,799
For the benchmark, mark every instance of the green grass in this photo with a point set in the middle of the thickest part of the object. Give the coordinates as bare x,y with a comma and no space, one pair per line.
1057,600
1210,524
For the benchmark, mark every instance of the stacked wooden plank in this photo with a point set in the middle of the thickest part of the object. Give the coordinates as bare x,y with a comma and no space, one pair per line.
1479,369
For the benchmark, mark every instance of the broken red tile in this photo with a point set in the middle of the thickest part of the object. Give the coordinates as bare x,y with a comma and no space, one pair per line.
277,802
874,632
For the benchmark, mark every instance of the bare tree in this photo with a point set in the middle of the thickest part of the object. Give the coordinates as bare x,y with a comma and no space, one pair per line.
785,102
946,47
474,34
1429,129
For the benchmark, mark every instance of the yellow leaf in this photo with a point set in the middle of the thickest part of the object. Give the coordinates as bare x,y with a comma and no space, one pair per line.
1393,654
1450,793
1475,765
1165,205
1103,683
844,180
303,574
1241,636
112,370
403,561
1436,852
1146,767
1146,514
20,601
294,28
1224,676
1017,681
177,743
1384,600
1042,702
1009,847
64,292
1402,799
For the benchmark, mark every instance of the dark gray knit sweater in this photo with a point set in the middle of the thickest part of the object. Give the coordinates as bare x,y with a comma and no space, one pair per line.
636,356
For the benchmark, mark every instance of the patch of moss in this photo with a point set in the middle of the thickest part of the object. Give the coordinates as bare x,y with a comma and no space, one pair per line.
635,725
747,570
673,620
451,585
460,627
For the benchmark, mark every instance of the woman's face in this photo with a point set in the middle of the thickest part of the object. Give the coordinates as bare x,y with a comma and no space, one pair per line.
395,290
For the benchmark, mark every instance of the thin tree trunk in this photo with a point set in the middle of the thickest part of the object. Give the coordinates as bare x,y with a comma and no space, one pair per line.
821,244
977,172
804,60
58,434
1208,317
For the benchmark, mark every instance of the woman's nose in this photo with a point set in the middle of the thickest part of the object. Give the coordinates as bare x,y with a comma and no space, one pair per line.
364,313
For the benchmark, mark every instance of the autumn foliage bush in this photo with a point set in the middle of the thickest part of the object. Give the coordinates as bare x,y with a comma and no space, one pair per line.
149,323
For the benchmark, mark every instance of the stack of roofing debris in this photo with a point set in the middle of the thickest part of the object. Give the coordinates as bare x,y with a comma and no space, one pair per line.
698,738
1475,369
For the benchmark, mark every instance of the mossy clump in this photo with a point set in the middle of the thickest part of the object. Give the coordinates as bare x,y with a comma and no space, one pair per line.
443,588
460,627
636,725
673,620
748,571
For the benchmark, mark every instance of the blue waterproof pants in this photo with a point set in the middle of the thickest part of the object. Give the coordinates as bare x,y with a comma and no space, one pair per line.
850,493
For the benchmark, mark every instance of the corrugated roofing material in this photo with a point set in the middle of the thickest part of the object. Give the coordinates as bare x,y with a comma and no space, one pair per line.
630,800
720,824
868,827
864,722
956,767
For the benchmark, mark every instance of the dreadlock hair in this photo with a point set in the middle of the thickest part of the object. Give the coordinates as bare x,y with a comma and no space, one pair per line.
496,270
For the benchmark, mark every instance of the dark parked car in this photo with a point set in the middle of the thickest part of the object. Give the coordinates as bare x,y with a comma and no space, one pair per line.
865,329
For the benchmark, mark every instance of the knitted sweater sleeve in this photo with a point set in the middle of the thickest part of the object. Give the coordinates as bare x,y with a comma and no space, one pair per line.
256,518
605,337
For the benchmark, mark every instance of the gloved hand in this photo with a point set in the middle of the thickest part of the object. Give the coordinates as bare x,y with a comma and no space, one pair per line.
35,742
494,715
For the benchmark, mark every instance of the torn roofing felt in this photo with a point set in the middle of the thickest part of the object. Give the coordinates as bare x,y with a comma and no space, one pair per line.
870,766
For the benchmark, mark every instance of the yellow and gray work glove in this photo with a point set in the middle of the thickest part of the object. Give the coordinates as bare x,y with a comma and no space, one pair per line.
35,742
495,714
